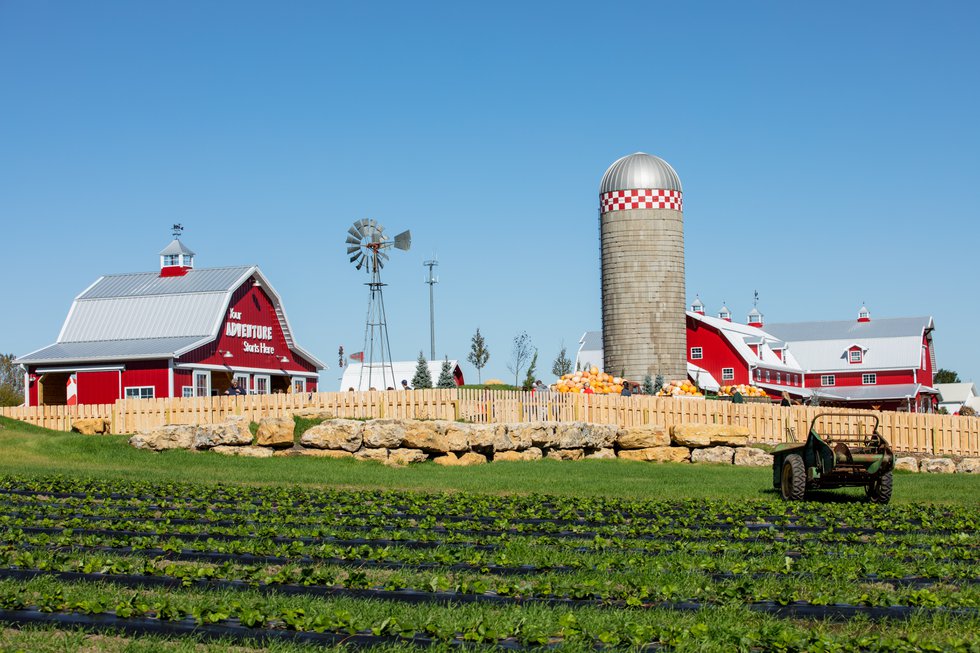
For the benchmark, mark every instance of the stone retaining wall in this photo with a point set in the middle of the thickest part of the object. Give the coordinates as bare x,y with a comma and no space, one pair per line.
401,442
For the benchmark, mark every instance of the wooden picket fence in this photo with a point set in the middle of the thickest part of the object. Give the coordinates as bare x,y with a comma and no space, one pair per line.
908,432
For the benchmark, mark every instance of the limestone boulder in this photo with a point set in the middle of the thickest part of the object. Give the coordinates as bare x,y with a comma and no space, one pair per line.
642,437
343,434
482,436
90,425
566,454
377,455
907,463
582,435
402,457
384,433
172,436
602,454
938,466
531,453
709,435
752,457
275,432
435,436
969,466
245,451
657,454
326,453
718,455
466,460
517,437
233,432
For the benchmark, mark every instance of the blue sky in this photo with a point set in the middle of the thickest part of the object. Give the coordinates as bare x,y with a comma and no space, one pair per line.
828,153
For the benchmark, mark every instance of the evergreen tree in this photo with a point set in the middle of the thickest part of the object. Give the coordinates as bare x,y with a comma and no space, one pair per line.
658,384
479,354
562,364
422,378
446,375
531,369
647,385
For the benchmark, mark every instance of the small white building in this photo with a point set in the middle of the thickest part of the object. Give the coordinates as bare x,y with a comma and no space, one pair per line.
381,377
952,396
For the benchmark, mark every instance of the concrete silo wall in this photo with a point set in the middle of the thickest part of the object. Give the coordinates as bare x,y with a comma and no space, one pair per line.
643,298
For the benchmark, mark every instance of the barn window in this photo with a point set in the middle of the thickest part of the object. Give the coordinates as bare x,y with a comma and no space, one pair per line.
299,385
728,374
140,392
187,391
202,384
828,379
855,355
869,379
767,376
697,353
779,377
171,259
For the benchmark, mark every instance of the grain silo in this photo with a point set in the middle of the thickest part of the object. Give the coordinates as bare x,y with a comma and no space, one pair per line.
641,226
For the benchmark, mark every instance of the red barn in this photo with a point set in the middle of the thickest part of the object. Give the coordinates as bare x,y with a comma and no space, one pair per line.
179,332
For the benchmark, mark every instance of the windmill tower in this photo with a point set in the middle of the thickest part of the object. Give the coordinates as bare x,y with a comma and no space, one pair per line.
366,245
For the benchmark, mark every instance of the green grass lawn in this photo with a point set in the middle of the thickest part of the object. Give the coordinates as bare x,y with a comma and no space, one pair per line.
30,450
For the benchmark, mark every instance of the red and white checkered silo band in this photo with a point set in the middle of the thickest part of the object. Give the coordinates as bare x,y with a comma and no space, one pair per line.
641,198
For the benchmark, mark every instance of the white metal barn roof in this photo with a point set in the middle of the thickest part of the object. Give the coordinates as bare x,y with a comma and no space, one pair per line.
381,379
144,315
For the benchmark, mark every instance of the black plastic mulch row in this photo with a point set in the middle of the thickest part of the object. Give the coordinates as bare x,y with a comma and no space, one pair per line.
189,555
752,527
231,629
306,504
796,609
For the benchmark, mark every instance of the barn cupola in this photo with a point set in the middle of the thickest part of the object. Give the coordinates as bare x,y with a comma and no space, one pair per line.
176,259
864,315
725,314
697,306
755,317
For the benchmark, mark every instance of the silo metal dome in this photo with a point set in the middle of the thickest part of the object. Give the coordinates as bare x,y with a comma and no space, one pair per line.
640,170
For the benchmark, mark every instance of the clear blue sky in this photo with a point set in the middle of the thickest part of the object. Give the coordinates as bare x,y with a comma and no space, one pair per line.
828,153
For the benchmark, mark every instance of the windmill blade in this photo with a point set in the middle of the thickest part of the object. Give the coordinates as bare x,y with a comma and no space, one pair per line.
351,240
351,250
354,233
381,254
359,264
403,240
355,256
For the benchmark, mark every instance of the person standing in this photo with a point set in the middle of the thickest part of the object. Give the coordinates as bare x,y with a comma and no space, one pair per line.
235,390
405,385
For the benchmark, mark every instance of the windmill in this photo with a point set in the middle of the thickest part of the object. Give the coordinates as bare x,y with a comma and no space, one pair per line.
366,245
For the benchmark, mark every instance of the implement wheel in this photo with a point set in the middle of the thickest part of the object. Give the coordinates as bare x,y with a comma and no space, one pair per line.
793,485
880,489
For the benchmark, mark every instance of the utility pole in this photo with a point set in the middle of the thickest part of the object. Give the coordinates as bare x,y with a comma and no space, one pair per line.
432,281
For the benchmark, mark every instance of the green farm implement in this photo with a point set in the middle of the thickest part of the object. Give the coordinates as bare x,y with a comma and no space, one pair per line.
852,454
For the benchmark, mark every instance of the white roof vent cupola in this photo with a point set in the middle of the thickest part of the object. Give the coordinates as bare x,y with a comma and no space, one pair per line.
864,315
176,259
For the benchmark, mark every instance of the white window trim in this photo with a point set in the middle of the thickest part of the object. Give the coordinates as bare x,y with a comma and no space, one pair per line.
140,388
301,382
255,381
207,384
855,356
243,381
187,391
824,380
697,353
870,375
767,376
728,374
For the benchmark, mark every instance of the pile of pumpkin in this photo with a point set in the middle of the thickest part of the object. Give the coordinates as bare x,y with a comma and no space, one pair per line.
742,389
600,382
679,389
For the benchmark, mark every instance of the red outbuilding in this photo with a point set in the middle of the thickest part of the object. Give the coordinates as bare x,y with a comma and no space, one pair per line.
179,332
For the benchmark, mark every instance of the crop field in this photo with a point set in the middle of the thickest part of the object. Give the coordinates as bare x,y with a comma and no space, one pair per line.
282,566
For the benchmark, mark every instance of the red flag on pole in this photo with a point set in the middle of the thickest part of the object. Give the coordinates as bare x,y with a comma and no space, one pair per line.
358,356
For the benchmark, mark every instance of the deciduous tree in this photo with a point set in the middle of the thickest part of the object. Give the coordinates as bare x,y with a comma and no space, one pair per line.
479,354
520,354
11,381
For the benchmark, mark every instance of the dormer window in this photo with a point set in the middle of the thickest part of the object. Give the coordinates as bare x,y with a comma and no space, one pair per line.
855,355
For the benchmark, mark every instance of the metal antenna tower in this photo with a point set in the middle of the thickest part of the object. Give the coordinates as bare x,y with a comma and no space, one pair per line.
432,281
367,244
